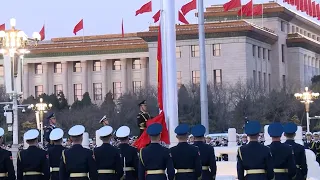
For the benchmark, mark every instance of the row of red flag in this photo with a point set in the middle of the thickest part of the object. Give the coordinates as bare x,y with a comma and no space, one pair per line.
310,7
245,10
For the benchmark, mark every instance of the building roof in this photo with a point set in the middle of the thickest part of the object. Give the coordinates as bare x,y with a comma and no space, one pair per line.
99,44
217,30
299,40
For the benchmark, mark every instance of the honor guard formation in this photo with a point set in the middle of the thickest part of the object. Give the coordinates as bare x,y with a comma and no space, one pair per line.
193,158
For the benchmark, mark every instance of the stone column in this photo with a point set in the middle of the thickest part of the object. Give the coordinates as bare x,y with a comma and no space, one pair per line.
232,142
84,71
124,82
144,72
45,80
25,83
104,77
64,73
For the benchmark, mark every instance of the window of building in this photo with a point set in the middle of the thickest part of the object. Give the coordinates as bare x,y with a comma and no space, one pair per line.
313,36
297,30
178,52
309,34
137,85
96,65
57,89
38,68
282,53
38,91
194,51
318,38
57,67
1,70
259,52
269,81
305,33
269,55
292,30
77,66
179,78
313,62
216,49
264,81
217,77
117,92
97,91
263,53
196,77
253,50
260,79
77,91
283,26
254,78
284,83
136,64
116,64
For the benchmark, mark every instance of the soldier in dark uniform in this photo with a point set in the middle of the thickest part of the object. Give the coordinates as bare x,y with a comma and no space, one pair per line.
108,157
143,116
55,152
52,124
77,162
155,159
104,121
315,147
308,143
32,163
254,158
128,153
208,158
299,151
6,164
185,157
282,154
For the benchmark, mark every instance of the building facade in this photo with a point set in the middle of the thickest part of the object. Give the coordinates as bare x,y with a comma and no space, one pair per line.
286,53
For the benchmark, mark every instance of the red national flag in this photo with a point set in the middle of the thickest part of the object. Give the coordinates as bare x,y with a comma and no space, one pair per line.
182,18
292,2
122,29
159,63
156,17
42,33
78,27
3,27
231,5
189,7
305,6
309,8
299,4
144,139
246,9
145,8
257,10
317,11
314,14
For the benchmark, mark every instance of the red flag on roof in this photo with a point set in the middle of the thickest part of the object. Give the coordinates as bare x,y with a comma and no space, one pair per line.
231,5
156,17
122,28
313,4
145,8
257,10
317,11
78,27
189,7
182,18
3,27
42,33
246,9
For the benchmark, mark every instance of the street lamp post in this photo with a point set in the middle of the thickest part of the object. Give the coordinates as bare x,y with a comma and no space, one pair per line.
13,47
307,98
40,108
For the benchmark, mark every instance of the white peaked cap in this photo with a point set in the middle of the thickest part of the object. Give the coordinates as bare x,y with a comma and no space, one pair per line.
31,134
105,131
76,130
56,134
123,131
1,132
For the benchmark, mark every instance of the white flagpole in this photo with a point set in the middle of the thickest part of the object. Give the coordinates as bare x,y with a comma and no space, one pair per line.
262,15
171,67
164,57
203,68
83,30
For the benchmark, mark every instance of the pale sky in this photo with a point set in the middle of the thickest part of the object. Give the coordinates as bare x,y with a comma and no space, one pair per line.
100,16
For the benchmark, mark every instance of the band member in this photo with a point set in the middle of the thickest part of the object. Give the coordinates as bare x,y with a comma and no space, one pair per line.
143,117
104,121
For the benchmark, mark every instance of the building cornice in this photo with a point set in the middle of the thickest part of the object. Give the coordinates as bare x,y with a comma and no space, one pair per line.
298,40
216,30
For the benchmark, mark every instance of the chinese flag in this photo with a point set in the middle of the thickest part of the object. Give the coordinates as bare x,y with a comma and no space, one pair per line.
3,27
156,17
314,14
122,28
189,7
182,18
246,9
145,8
78,27
144,138
317,11
231,4
257,10
42,33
